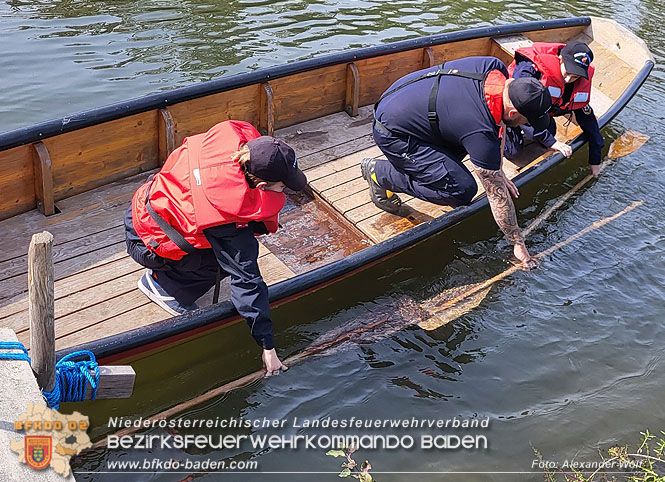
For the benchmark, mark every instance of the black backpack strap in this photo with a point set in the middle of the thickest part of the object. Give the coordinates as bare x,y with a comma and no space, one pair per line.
170,232
432,116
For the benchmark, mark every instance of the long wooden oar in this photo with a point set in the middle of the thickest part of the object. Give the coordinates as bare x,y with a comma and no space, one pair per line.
470,296
432,310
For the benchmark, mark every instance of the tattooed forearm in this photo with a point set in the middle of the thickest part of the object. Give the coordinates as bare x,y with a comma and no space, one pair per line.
501,203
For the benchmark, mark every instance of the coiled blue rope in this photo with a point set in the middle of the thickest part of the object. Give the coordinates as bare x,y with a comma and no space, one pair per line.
71,377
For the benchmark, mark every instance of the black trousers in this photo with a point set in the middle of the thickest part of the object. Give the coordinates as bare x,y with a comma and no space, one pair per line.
422,170
186,279
235,251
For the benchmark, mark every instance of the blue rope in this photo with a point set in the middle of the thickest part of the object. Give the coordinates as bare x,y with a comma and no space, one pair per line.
13,345
71,377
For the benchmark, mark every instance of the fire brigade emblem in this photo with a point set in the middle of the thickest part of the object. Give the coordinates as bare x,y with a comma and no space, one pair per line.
38,451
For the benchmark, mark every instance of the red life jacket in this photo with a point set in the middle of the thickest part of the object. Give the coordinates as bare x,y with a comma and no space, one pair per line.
545,58
494,85
198,187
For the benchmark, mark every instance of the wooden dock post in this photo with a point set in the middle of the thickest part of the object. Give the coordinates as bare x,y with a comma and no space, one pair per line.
114,381
41,309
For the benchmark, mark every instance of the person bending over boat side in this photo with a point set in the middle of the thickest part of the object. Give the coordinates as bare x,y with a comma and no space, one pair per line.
201,212
426,123
566,70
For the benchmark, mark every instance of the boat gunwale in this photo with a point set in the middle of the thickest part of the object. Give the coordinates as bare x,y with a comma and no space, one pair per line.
51,128
145,338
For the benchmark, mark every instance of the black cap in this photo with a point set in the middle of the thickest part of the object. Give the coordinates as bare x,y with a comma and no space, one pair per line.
577,57
532,100
274,160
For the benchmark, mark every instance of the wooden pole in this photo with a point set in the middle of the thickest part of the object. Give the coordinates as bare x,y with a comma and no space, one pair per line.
41,310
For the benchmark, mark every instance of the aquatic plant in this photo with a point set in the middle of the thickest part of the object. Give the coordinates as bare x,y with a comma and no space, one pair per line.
350,467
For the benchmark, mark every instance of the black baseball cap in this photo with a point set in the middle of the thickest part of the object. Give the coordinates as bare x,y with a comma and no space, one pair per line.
577,57
532,100
274,160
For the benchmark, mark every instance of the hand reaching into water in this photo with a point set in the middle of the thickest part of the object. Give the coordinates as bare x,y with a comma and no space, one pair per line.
272,363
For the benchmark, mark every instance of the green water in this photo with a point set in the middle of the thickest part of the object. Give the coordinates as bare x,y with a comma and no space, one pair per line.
567,359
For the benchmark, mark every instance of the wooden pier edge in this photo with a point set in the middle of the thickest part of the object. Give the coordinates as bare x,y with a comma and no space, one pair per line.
19,388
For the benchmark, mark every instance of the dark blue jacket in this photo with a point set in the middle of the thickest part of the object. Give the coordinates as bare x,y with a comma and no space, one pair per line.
465,122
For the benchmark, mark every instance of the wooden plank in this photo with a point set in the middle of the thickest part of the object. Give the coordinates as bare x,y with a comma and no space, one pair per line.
96,291
313,234
362,211
337,178
555,35
198,115
18,284
91,157
334,153
354,201
378,73
615,82
620,41
75,283
343,190
350,204
114,382
267,114
17,183
510,43
321,140
341,162
89,212
67,250
106,310
273,270
428,58
309,95
384,225
166,134
263,250
147,313
43,180
352,90
457,50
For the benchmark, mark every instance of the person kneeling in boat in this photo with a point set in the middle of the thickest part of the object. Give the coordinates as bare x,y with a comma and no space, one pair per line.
201,212
566,70
427,121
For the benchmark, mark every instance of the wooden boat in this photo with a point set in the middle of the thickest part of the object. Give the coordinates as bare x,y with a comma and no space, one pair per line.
80,172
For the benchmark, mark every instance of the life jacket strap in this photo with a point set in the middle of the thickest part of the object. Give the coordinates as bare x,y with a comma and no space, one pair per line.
169,231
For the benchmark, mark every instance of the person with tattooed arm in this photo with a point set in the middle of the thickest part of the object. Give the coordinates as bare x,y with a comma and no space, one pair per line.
428,121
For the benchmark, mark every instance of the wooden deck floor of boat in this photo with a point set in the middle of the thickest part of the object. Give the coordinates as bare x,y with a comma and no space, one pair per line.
95,280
